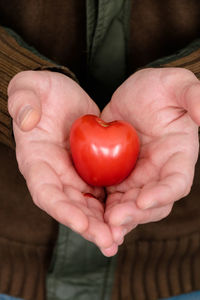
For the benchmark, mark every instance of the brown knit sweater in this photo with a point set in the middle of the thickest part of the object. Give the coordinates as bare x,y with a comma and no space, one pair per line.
58,31
156,260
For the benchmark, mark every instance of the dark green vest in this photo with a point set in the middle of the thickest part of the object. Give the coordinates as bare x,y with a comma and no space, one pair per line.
79,271
107,36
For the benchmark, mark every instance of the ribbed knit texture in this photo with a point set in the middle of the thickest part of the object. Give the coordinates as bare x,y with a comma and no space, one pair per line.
16,56
187,58
190,62
151,270
23,271
27,235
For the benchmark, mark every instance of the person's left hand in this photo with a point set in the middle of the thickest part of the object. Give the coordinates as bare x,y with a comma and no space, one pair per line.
164,107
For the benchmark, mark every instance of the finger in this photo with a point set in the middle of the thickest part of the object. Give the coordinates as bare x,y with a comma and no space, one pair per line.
31,80
175,183
98,231
190,101
164,192
24,93
120,208
63,209
25,109
107,114
127,215
55,158
47,193
66,204
111,251
119,232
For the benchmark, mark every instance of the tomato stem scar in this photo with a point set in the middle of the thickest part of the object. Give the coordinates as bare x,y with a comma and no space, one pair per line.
102,123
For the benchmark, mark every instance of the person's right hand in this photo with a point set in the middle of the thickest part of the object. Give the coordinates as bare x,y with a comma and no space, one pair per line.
43,106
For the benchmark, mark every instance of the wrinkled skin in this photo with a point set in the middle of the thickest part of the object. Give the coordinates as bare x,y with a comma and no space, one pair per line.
162,104
42,149
164,107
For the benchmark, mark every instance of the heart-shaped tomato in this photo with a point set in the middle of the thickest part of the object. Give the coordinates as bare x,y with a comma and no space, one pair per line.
103,153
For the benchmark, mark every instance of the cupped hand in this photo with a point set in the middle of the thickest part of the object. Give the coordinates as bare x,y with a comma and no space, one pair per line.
43,106
164,107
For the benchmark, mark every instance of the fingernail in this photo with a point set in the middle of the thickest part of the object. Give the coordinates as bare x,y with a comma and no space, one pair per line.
24,114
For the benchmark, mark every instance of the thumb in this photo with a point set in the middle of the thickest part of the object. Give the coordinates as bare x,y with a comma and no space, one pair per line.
25,108
191,101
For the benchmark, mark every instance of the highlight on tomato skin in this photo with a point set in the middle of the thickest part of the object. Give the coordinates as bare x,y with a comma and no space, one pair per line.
103,153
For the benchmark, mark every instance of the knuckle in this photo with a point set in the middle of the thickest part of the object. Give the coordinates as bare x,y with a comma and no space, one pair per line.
40,196
13,101
186,191
166,211
157,214
15,79
184,185
162,214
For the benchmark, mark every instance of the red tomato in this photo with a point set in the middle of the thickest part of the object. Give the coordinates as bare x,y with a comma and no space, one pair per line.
103,153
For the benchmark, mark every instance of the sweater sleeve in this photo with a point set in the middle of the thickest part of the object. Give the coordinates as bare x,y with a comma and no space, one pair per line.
188,58
17,56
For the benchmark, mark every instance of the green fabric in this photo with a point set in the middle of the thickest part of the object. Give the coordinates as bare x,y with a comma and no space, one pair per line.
78,270
107,35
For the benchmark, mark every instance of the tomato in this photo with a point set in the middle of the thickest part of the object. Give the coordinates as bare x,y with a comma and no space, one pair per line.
103,153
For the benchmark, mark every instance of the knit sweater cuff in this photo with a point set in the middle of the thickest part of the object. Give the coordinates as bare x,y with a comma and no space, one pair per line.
17,56
188,58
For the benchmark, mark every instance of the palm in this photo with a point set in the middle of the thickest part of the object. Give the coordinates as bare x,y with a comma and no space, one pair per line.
169,147
44,160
